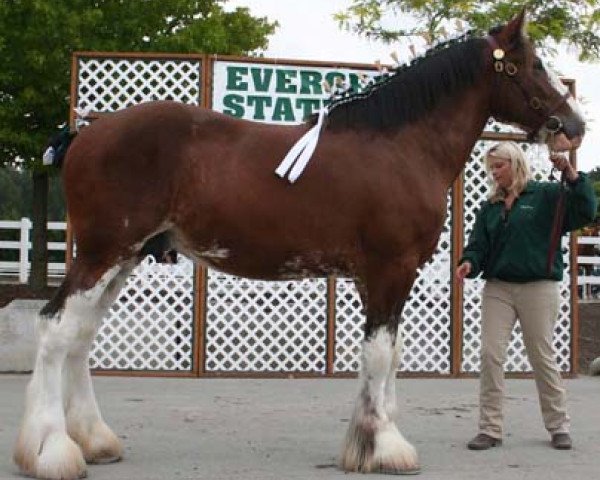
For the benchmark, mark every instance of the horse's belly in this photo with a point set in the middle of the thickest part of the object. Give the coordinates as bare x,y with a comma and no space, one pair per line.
268,266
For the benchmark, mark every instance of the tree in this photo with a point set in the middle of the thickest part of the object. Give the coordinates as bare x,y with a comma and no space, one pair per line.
575,22
597,191
16,192
37,38
594,174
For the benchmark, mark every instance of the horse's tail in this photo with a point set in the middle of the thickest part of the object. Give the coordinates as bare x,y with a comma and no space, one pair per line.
57,147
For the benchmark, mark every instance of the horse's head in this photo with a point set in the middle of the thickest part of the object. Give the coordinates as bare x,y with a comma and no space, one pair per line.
529,94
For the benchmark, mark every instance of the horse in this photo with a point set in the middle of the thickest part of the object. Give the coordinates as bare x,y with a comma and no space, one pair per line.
370,205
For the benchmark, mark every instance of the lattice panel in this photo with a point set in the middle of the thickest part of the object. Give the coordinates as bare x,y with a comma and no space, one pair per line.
349,325
107,84
476,191
261,326
150,326
425,319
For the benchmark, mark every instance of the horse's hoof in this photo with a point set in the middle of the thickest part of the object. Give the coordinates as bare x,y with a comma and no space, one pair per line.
391,455
100,445
396,471
595,367
55,457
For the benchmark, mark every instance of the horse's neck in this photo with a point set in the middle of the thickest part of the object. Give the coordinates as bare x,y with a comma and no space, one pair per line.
453,129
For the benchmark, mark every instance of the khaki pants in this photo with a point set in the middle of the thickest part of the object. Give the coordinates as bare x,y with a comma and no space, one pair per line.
536,305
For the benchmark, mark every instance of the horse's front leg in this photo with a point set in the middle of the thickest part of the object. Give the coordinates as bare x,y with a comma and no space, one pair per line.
391,406
373,442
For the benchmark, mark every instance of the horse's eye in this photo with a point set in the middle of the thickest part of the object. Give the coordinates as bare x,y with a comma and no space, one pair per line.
537,64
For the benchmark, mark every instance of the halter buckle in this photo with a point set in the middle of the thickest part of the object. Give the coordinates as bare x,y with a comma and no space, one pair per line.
511,69
535,103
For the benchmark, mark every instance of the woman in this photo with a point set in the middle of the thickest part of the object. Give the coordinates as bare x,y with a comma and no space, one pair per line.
509,244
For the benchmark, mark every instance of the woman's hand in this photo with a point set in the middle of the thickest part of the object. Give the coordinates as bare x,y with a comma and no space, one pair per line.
463,270
562,164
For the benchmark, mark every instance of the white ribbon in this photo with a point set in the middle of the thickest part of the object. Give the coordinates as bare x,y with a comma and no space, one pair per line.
81,120
48,157
299,155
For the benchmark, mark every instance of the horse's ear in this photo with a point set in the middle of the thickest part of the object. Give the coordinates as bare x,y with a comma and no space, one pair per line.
515,30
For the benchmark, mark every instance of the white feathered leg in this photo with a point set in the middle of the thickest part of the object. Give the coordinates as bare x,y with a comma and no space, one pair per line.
43,448
373,442
84,422
391,406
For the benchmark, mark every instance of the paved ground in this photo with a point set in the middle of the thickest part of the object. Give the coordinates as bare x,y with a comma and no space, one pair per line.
292,429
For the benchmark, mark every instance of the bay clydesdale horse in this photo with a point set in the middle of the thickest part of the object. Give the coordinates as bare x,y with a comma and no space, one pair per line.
370,205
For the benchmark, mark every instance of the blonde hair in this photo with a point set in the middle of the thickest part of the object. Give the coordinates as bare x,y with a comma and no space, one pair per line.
520,170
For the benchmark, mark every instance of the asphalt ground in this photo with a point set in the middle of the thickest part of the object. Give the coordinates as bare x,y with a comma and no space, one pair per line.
293,428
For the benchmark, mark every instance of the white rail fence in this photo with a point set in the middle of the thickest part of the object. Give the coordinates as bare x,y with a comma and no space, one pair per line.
20,268
589,269
588,279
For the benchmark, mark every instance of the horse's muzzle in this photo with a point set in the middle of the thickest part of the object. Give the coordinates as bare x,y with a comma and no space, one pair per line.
561,143
573,127
560,134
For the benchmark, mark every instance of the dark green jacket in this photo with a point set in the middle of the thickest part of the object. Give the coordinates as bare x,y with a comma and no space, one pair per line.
513,246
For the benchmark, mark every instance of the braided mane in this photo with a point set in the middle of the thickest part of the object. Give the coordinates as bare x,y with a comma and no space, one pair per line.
412,90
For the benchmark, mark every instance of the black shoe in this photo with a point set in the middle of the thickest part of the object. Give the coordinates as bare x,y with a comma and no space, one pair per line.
483,441
561,441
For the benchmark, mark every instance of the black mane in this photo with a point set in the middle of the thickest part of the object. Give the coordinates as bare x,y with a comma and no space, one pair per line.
412,90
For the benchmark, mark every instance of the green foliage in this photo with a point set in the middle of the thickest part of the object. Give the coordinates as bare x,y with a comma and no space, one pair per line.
15,203
575,22
594,174
37,38
597,191
16,194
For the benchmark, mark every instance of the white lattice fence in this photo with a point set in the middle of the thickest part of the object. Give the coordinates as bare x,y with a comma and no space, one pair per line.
150,326
108,84
476,190
262,326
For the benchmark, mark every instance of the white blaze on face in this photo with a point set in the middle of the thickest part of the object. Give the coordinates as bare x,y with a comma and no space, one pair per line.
562,89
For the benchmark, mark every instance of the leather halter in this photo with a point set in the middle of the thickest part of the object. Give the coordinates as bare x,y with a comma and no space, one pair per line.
544,111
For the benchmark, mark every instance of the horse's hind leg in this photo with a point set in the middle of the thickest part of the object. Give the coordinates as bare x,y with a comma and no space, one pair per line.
373,442
43,448
84,422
